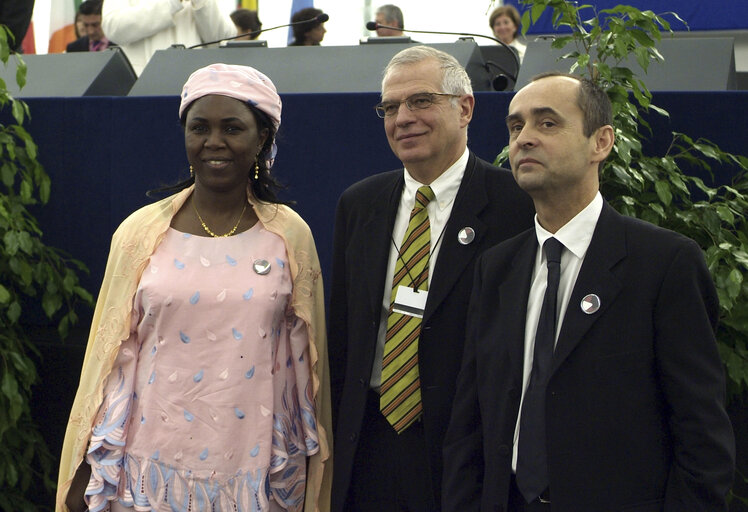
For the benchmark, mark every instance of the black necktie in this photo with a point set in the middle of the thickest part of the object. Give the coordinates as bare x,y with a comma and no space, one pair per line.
532,463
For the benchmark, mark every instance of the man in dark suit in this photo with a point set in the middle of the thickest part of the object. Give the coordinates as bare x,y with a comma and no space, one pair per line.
390,461
623,408
94,40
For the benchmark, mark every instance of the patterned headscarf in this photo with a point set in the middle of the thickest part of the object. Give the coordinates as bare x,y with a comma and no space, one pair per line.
241,82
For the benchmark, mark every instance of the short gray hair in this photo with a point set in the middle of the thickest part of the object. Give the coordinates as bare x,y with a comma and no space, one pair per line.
392,13
455,79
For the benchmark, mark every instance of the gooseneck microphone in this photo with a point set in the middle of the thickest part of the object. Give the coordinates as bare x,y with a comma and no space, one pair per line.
373,25
321,18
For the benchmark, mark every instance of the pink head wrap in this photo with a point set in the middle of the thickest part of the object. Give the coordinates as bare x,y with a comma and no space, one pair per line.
244,83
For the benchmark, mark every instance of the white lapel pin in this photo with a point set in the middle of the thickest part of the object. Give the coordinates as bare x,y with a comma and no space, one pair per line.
466,235
590,303
261,267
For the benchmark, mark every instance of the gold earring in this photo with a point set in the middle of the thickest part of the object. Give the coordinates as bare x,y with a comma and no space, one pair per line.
192,172
257,171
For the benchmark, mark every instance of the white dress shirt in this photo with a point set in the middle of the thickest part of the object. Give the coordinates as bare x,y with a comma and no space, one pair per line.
445,189
576,236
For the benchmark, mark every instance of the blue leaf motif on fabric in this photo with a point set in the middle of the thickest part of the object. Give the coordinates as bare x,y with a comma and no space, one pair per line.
184,337
186,235
198,376
281,262
153,476
195,298
152,377
237,335
254,451
248,294
231,261
188,415
178,264
153,350
250,373
142,419
204,454
289,362
239,413
156,455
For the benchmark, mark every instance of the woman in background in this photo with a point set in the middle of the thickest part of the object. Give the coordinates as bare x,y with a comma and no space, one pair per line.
205,384
246,22
307,34
505,24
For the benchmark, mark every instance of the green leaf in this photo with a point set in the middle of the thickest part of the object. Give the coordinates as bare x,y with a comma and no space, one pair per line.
45,186
642,38
25,242
725,214
26,190
537,11
10,239
4,295
20,72
735,279
51,303
14,312
18,111
7,174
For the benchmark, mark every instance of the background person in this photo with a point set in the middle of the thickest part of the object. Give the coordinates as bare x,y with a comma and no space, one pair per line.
591,379
93,39
16,15
246,21
392,16
204,381
505,23
141,27
307,34
389,431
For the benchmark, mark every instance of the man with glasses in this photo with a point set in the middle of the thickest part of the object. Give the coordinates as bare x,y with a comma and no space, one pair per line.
405,245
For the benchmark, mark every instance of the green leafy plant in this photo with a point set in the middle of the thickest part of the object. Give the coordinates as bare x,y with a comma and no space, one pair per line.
31,273
663,189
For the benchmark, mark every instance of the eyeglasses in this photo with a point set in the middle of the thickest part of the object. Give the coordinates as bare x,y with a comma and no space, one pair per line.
419,101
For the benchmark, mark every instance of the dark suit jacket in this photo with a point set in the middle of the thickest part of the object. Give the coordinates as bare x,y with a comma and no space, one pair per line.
635,416
81,45
490,202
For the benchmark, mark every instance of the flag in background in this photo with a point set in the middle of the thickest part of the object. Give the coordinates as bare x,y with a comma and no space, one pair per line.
247,4
62,24
296,6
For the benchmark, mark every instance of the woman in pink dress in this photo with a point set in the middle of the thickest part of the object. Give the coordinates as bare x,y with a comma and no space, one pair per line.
205,386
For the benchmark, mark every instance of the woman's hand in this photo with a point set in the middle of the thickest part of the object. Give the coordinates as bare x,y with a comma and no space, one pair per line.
74,500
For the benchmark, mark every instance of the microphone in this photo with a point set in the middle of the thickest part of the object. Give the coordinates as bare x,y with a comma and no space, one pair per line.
373,25
321,18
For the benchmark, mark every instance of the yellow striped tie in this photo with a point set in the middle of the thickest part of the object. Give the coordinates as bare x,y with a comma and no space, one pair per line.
400,399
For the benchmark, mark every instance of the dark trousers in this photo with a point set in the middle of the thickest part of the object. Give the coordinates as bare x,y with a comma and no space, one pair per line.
390,471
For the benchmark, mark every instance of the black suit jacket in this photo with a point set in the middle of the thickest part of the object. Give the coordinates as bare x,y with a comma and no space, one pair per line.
635,416
490,202
81,45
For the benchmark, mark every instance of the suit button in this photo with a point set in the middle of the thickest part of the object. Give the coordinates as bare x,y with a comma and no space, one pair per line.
504,450
426,328
352,437
362,383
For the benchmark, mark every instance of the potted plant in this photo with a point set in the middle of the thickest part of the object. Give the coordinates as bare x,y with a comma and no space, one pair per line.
32,275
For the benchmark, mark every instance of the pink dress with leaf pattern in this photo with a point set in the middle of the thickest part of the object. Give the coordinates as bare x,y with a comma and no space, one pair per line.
209,405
